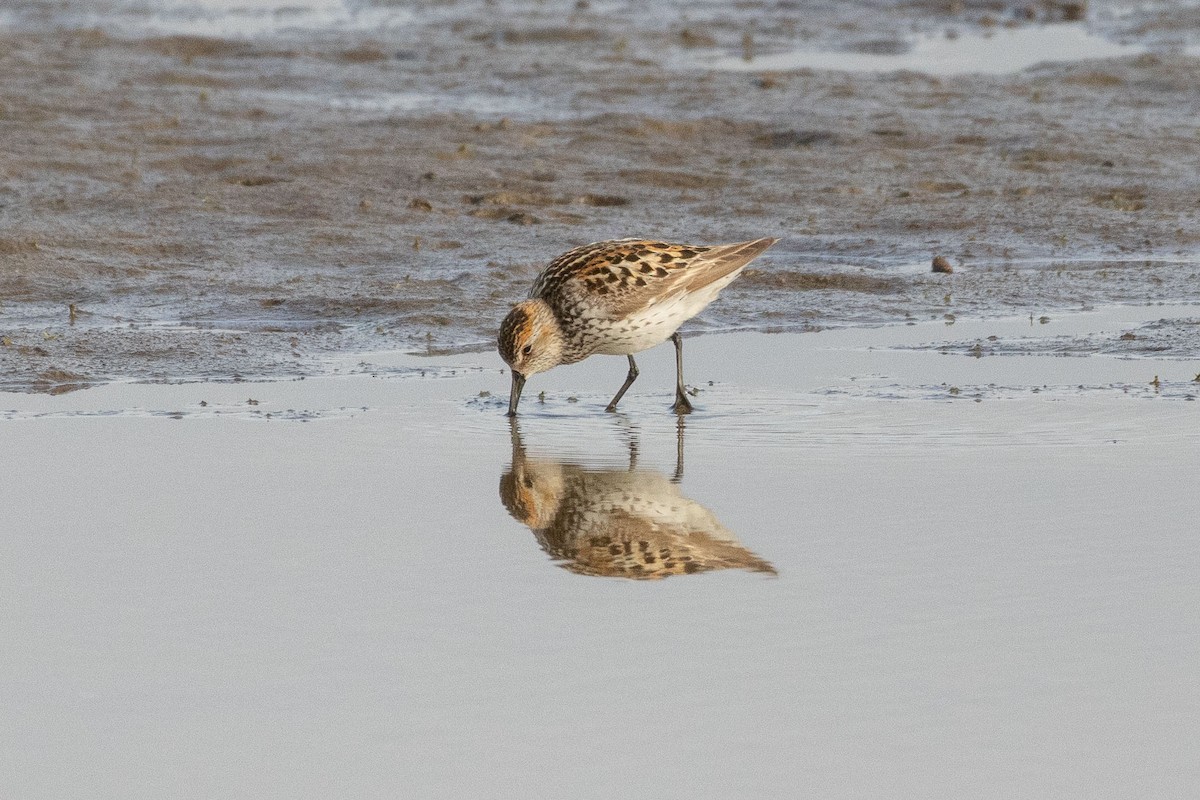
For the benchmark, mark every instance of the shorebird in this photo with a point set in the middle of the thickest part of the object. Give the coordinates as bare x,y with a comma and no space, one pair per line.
617,298
622,523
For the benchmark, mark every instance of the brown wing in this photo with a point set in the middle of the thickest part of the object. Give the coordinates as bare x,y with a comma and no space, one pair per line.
626,546
629,273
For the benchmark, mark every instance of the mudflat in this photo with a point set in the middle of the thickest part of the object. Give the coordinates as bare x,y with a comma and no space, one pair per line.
225,189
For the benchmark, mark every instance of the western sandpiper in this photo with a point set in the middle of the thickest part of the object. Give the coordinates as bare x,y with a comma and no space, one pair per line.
617,298
619,522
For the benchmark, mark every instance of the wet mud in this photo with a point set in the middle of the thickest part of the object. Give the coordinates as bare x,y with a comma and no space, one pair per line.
218,197
1163,339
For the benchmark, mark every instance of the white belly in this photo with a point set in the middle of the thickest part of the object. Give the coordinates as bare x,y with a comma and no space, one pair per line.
634,336
655,323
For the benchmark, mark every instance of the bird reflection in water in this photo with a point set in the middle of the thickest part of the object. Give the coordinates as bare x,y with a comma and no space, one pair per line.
625,523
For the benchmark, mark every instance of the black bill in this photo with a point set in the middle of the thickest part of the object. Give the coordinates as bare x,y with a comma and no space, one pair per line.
518,383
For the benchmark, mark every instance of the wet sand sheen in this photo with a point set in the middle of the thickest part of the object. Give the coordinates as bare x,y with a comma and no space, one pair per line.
964,594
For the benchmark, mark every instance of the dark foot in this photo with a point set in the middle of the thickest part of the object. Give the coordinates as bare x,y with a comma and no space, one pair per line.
682,405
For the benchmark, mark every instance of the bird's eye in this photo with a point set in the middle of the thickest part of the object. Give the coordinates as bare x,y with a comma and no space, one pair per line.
527,349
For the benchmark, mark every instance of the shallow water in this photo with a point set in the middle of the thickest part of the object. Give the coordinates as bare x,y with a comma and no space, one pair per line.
950,53
372,584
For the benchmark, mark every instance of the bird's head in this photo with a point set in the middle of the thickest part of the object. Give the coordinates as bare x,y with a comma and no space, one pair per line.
530,340
532,490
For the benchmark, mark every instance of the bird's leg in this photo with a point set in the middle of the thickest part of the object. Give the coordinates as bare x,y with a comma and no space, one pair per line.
629,379
682,404
678,450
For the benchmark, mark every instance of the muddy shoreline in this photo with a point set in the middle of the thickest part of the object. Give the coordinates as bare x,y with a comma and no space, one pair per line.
229,207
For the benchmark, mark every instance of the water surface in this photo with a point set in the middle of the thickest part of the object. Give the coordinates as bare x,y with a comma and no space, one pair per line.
374,585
